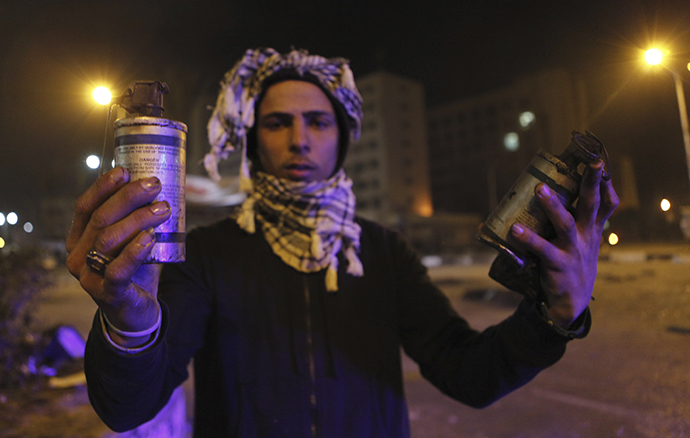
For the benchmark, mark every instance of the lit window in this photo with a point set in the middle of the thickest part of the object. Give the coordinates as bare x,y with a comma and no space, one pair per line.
526,119
511,141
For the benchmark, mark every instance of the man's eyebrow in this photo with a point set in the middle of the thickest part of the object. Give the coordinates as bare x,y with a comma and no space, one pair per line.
279,114
317,113
309,114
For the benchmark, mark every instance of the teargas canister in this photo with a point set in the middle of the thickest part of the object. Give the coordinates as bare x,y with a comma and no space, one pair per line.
520,204
154,146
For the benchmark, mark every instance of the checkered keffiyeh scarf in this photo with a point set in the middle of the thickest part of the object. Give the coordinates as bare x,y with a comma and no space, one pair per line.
306,223
233,115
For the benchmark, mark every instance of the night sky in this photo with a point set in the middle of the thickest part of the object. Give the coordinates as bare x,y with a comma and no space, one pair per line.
53,53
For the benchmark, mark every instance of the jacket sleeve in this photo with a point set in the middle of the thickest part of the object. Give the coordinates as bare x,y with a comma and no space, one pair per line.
475,368
127,390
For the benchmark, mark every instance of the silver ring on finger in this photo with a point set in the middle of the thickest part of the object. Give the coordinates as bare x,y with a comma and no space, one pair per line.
97,261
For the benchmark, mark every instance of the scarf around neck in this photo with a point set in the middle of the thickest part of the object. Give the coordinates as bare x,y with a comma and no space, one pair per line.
306,224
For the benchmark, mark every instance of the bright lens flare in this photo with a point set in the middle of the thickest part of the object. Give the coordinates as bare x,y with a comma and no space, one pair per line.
613,239
102,95
653,56
665,205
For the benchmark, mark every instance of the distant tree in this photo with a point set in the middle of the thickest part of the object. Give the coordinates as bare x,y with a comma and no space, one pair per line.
22,280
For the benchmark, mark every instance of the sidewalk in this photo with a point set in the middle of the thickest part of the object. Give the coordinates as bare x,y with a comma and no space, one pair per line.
677,252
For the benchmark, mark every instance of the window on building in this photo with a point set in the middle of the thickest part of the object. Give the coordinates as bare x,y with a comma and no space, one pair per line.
357,167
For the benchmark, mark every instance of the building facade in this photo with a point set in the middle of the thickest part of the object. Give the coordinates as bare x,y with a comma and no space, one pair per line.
389,164
479,146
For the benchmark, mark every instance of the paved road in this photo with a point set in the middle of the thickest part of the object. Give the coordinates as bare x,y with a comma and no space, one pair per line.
629,378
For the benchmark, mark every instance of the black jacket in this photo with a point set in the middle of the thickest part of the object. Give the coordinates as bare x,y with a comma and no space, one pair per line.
276,355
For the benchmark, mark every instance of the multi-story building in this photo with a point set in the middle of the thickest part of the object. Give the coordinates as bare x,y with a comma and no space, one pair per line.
479,146
388,164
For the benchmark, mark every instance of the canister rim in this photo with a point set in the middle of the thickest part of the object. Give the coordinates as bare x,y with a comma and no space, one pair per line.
148,121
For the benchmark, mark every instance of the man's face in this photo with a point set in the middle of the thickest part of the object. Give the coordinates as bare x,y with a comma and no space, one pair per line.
297,132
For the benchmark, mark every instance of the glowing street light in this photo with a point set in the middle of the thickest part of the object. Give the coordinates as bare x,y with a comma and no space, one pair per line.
92,161
12,218
655,57
613,239
102,95
2,219
665,205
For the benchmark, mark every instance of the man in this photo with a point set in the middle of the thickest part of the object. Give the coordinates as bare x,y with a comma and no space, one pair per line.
294,310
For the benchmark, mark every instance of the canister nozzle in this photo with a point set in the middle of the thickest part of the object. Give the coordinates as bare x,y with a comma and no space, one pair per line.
144,98
585,148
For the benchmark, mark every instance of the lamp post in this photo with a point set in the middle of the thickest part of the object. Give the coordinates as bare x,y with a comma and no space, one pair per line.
654,57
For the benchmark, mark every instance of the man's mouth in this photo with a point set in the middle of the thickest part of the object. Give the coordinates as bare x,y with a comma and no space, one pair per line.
300,166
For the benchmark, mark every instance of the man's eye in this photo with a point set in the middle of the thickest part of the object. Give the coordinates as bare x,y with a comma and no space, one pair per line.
321,123
273,124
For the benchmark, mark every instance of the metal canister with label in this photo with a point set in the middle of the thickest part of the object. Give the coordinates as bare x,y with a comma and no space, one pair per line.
514,267
148,145
154,146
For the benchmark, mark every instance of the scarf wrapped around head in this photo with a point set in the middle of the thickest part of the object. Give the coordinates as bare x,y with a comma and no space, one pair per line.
306,223
233,115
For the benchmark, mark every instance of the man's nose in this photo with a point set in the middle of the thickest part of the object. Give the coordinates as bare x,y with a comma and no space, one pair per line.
299,143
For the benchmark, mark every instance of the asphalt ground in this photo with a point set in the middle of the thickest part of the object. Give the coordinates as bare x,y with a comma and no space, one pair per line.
629,378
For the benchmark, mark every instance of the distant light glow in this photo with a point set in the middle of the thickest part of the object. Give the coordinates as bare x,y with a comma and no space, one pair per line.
432,261
424,208
613,239
102,95
2,242
653,56
511,141
12,218
28,227
93,161
526,119
665,205
2,219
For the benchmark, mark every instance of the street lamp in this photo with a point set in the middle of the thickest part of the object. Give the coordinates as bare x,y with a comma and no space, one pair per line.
12,218
102,95
655,57
92,161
